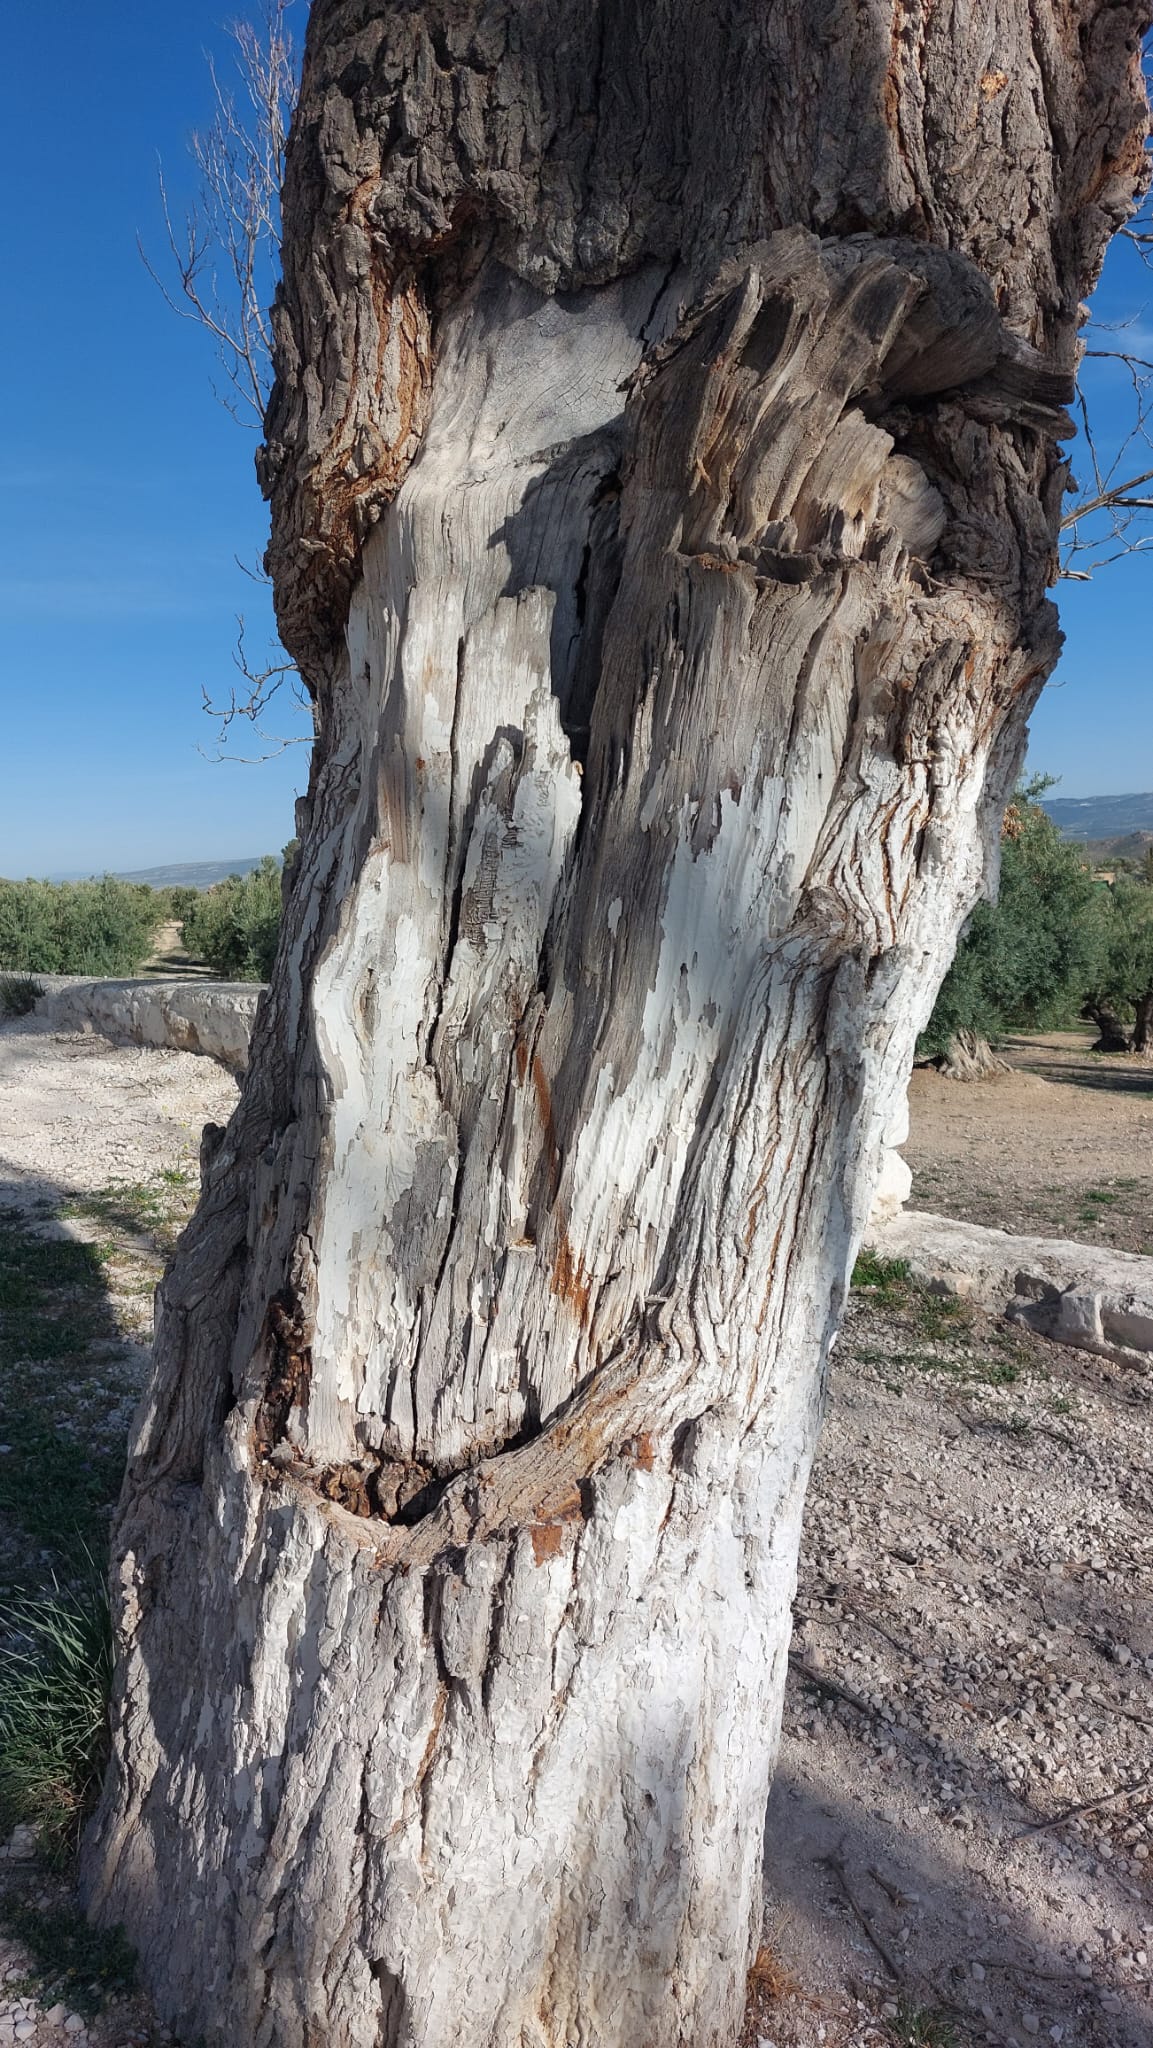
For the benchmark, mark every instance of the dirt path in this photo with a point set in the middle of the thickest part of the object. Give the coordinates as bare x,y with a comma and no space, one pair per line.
1061,1147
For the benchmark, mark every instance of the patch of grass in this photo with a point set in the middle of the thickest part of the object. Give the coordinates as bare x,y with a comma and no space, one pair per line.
998,1372
19,994
156,1209
51,1295
886,1280
53,1484
54,1687
85,1967
923,2026
56,1481
943,1318
1062,1405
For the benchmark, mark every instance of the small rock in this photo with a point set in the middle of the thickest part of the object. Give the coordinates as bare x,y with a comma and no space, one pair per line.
26,2031
74,2024
1083,1969
1110,2002
978,1972
56,2016
1030,2022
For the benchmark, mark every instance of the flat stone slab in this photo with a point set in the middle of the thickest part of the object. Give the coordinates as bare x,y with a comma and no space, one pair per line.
212,1017
1079,1294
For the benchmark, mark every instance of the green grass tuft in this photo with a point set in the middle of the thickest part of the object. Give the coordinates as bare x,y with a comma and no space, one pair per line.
886,1280
923,2026
54,1686
19,994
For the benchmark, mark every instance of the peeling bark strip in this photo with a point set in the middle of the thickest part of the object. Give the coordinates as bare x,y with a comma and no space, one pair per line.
664,491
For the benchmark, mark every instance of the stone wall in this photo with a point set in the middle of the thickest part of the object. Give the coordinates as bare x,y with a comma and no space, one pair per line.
212,1017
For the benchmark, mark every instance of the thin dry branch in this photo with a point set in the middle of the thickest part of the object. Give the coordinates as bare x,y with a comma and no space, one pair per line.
252,702
223,259
1112,518
225,252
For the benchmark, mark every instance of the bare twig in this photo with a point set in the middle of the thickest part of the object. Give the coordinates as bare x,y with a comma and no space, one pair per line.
1056,1820
835,1862
223,258
252,704
225,251
1112,519
828,1685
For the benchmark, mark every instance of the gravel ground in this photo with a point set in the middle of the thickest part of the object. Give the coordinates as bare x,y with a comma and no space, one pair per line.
77,1113
972,1656
973,1650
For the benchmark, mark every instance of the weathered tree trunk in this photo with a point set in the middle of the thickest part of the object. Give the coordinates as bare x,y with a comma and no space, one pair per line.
664,490
970,1057
1112,1035
1143,1022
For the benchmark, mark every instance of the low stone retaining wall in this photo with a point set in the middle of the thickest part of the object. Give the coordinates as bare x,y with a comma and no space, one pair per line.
1079,1294
212,1017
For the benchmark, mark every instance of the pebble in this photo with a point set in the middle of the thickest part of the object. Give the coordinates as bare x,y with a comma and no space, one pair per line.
1030,2022
978,1972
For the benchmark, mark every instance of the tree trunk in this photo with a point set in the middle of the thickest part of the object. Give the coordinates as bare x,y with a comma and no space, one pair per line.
1143,1022
664,491
970,1057
1112,1035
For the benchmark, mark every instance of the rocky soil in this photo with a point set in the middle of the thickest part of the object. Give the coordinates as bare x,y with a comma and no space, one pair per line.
962,1824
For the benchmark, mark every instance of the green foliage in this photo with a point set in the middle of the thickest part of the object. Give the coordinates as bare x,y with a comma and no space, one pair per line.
1124,967
234,926
102,928
178,901
1027,962
19,994
54,1686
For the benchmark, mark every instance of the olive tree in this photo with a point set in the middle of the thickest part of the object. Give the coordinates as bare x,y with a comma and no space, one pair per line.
665,487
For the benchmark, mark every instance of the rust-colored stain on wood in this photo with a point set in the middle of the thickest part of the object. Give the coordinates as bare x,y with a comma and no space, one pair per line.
570,1280
643,1453
548,1540
544,1105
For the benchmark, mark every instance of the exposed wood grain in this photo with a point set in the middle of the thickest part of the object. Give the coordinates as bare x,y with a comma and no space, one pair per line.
665,482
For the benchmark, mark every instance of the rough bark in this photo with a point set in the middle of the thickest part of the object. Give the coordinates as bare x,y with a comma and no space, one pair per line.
1143,1022
664,487
970,1057
1112,1035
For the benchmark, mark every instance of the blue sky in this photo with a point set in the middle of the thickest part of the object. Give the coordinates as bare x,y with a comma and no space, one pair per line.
127,491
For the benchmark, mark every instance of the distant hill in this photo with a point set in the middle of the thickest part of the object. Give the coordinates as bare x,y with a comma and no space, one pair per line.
192,874
1124,846
1100,817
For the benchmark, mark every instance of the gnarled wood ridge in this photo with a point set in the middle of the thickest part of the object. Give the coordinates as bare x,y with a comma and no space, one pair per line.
664,479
